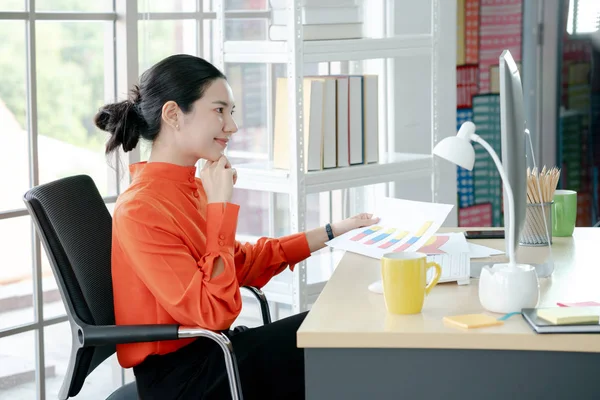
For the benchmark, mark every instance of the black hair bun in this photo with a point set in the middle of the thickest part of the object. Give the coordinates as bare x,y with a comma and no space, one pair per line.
124,122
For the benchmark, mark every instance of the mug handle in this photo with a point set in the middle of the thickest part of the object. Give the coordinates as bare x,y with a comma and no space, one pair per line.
436,278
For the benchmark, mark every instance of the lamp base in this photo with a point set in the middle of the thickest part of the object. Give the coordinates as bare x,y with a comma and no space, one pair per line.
544,270
505,288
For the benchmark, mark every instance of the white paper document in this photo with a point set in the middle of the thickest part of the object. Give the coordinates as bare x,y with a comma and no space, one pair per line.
404,225
479,251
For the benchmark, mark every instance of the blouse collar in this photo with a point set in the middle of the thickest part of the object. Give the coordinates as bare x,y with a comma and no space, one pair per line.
163,170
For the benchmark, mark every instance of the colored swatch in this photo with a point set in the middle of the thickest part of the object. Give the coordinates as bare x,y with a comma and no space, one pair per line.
379,238
369,231
432,246
394,240
415,238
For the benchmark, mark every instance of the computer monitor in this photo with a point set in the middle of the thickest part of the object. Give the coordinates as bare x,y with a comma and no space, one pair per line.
513,140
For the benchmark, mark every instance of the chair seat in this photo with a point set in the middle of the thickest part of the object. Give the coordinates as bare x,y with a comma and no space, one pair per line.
127,392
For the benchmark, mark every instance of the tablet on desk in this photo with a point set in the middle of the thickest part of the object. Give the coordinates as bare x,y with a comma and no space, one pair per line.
542,326
484,234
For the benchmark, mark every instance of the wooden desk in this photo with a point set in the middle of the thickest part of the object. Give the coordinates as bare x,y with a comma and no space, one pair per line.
354,349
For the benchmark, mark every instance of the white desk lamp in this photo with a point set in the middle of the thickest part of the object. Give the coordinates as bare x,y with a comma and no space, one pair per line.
504,287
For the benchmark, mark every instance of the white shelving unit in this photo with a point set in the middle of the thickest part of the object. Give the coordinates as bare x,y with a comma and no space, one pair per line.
299,288
391,167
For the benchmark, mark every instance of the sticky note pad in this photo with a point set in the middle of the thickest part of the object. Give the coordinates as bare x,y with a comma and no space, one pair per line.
472,321
570,315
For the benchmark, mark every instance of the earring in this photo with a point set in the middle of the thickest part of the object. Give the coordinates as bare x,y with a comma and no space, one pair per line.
177,126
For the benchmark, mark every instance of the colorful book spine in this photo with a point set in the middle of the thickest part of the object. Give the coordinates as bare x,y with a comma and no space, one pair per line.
487,182
500,29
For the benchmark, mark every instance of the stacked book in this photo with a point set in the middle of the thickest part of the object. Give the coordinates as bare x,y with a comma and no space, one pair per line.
464,177
500,28
467,77
486,178
340,122
321,20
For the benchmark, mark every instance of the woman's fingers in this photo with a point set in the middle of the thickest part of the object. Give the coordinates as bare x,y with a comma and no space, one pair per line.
223,161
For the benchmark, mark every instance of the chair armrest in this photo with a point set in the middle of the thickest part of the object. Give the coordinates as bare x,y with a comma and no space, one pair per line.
264,304
120,334
100,335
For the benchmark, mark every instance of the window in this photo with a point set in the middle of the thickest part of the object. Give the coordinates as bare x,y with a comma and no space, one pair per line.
53,77
12,5
584,16
157,6
77,6
161,38
71,85
18,361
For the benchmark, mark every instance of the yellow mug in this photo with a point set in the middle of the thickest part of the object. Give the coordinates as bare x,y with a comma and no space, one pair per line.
404,276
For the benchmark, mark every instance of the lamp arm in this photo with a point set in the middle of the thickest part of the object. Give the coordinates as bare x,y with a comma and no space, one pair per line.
511,201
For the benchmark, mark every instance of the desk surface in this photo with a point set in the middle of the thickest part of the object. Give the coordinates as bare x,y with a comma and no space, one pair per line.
348,315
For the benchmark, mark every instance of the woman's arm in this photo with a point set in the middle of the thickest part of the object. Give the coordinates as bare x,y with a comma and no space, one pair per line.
317,237
257,263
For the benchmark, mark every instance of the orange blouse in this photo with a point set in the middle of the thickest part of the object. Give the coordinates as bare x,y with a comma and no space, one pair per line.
166,240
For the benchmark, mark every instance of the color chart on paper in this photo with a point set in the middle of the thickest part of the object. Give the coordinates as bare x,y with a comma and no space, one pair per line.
404,226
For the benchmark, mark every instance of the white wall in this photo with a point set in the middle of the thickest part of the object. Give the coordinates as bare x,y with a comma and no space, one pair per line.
414,99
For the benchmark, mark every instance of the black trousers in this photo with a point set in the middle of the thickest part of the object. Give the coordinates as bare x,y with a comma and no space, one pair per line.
271,367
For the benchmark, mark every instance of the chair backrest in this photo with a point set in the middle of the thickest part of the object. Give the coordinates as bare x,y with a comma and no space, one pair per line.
75,228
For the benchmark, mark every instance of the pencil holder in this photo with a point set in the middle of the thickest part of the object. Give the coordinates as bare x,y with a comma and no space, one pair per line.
534,230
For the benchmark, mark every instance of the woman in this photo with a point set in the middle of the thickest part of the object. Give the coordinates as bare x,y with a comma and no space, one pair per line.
175,259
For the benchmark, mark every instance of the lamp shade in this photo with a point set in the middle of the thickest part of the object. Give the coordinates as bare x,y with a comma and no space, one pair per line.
457,150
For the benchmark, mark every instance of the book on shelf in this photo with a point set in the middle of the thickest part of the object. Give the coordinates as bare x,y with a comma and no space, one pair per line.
329,142
340,122
371,117
319,32
321,20
355,120
313,126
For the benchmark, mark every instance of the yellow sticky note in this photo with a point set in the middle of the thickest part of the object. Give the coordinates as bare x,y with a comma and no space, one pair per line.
472,321
570,315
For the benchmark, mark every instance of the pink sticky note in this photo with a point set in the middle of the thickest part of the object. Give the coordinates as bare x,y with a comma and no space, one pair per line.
580,304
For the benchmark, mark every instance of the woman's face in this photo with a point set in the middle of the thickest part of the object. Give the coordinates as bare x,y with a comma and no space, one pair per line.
207,128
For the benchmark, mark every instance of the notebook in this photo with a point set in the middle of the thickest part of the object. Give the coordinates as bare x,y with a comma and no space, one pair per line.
541,325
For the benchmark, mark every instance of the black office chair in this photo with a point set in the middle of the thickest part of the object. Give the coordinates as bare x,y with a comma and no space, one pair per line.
75,228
